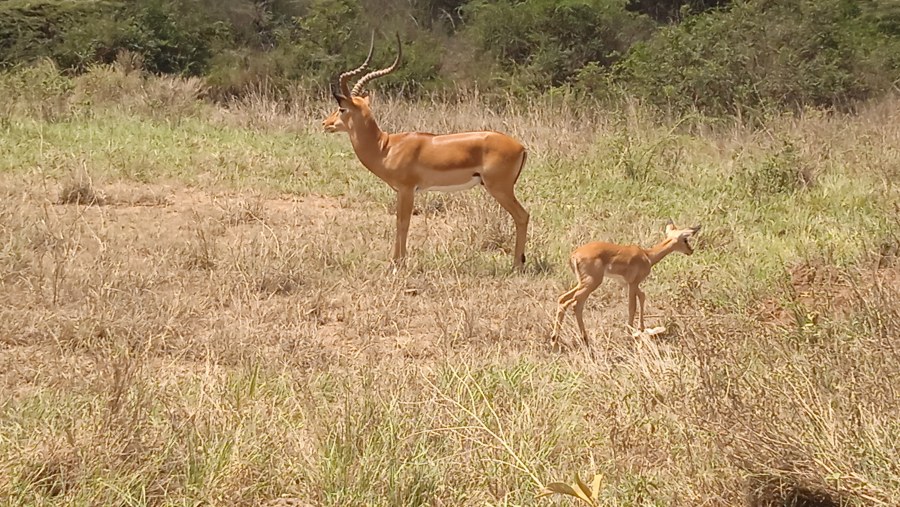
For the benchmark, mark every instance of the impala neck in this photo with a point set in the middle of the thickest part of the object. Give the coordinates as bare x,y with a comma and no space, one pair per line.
657,252
369,143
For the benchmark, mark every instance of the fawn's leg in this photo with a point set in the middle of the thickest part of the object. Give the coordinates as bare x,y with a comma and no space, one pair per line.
632,303
581,295
640,295
565,301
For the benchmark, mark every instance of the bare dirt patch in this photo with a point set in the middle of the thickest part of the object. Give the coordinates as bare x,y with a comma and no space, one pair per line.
204,275
190,266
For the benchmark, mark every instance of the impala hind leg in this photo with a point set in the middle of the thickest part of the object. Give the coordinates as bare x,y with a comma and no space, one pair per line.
507,198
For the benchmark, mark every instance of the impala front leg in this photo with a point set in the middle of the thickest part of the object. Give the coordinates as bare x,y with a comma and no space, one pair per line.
632,303
640,295
405,199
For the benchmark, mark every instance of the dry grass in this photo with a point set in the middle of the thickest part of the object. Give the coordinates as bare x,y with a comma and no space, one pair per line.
225,330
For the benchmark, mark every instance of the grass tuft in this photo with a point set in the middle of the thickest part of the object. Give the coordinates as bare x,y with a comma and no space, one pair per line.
778,492
80,190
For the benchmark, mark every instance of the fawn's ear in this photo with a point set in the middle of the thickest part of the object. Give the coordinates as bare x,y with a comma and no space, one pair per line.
670,226
695,229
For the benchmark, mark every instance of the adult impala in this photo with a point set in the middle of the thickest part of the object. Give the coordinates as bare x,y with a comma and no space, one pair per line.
413,162
593,261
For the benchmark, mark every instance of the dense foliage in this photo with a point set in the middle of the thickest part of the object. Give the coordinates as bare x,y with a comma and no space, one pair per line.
717,56
549,42
813,52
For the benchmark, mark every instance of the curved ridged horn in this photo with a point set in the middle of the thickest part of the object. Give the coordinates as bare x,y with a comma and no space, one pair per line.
358,87
346,76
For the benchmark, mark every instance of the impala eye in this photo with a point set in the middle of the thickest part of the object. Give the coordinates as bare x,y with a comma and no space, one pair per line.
342,110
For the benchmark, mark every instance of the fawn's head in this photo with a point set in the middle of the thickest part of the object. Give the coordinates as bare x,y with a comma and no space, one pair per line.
353,105
681,237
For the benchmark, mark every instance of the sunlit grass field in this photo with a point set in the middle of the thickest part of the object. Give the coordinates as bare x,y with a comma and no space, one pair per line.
197,306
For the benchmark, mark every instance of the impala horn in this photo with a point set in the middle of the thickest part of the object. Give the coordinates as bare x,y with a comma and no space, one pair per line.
358,87
346,76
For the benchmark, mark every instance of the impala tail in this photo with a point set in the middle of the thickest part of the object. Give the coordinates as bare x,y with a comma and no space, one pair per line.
521,166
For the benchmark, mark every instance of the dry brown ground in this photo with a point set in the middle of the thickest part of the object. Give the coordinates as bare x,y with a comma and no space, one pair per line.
288,271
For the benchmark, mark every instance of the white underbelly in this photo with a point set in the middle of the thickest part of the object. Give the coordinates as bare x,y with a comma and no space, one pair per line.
615,276
452,188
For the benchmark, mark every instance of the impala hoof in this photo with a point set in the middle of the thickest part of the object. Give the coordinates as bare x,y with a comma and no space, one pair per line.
555,345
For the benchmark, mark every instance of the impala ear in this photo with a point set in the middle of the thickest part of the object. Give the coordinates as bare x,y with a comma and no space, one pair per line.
366,96
670,226
340,98
695,229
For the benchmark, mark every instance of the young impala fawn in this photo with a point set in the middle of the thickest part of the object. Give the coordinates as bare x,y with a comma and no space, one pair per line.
593,261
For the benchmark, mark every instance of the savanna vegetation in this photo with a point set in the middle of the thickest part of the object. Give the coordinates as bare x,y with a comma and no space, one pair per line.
196,305
716,56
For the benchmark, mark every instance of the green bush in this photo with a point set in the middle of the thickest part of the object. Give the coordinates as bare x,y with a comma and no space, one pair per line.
548,42
763,54
672,10
783,171
172,37
330,36
749,57
63,30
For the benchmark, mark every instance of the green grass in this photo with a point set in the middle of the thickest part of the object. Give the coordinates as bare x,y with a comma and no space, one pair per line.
191,151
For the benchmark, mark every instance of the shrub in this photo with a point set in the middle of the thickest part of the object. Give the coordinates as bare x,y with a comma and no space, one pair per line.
172,37
672,10
782,172
761,54
753,55
65,31
329,38
549,42
38,90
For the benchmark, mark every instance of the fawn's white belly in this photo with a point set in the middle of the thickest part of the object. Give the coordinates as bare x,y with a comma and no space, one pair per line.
609,273
452,188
